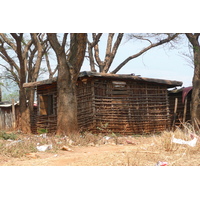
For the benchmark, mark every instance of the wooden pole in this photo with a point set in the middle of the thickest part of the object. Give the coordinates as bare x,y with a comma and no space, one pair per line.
185,110
13,114
175,111
0,94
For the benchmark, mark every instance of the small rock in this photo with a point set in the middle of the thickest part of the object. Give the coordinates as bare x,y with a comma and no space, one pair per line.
112,143
106,137
32,155
70,142
91,144
44,135
130,142
59,142
65,148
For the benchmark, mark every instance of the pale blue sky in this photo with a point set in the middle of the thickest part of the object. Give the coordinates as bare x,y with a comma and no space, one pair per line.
159,62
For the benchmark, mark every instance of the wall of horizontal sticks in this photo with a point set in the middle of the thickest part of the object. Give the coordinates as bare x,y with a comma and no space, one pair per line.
108,105
126,107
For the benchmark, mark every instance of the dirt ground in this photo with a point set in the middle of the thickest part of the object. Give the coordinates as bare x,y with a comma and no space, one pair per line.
109,154
105,155
142,151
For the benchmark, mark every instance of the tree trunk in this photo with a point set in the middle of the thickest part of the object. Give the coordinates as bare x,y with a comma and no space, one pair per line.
68,71
24,112
195,104
67,105
23,108
24,66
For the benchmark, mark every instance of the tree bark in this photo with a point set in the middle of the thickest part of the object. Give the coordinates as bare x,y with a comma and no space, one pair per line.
23,108
66,100
195,104
68,70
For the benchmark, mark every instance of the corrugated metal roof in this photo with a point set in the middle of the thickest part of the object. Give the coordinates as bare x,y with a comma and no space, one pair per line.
6,104
183,90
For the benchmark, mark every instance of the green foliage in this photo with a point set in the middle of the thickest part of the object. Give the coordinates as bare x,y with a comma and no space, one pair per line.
9,88
6,136
105,130
42,130
103,127
9,97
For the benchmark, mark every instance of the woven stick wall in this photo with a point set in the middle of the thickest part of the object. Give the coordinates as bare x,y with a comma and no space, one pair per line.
47,121
85,96
123,106
109,103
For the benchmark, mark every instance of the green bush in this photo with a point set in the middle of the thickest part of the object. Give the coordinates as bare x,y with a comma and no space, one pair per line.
6,136
42,131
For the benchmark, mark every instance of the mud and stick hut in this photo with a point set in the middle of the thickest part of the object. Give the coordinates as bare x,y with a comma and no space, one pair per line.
9,116
125,104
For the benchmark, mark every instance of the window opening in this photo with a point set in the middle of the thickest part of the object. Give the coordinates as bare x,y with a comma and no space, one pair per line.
46,105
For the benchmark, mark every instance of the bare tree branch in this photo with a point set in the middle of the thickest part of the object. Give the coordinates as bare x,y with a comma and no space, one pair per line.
77,53
51,73
113,53
96,39
168,39
8,41
91,57
39,56
14,75
96,53
193,38
109,46
7,58
110,51
54,43
64,40
90,52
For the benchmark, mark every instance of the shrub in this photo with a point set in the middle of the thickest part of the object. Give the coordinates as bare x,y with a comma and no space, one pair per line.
6,136
42,130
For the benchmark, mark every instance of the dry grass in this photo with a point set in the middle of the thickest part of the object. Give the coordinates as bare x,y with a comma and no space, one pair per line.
161,148
146,151
18,145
